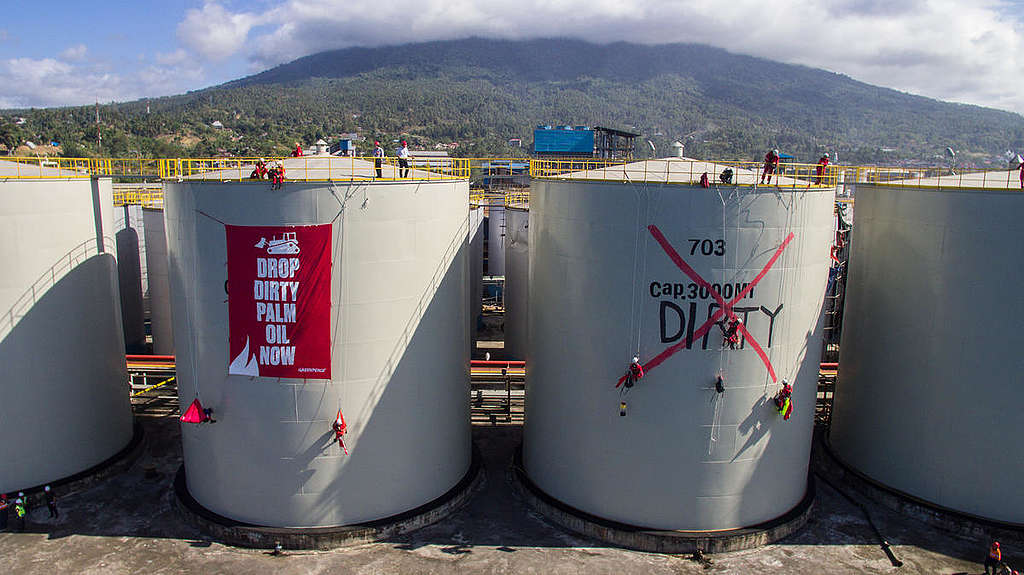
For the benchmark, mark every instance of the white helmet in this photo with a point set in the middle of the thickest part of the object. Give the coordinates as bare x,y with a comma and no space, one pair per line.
636,359
46,489
825,155
18,501
775,151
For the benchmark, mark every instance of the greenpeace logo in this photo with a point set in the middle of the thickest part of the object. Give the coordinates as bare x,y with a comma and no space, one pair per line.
312,369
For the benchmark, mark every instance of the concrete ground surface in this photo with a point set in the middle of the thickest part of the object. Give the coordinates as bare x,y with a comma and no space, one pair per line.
129,524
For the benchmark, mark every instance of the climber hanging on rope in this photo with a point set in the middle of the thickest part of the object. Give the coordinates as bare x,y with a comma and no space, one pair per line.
635,372
730,333
340,429
784,400
197,414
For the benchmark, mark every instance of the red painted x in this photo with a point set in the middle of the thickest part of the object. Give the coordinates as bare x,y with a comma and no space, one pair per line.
725,308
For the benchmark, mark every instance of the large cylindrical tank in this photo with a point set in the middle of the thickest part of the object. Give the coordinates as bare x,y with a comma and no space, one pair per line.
129,279
517,279
64,404
159,288
616,269
496,236
476,269
928,398
136,220
399,345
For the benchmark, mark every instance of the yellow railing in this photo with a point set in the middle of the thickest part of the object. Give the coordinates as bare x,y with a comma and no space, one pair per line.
931,178
42,167
504,172
145,195
681,171
318,169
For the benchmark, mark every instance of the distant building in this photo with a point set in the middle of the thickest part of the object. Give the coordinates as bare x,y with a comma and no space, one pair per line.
344,147
582,141
217,125
515,143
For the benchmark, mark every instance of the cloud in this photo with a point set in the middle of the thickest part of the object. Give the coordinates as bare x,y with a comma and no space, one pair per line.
213,32
74,53
922,46
176,58
44,82
960,50
50,82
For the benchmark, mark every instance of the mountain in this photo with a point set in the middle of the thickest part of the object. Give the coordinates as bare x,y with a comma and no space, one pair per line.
483,92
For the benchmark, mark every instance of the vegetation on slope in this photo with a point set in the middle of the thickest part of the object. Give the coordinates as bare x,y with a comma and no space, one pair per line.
481,93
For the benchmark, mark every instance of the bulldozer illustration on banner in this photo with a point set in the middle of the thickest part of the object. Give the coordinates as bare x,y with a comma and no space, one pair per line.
288,244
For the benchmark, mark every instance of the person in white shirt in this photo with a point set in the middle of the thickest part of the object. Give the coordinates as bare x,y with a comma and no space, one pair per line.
403,160
378,158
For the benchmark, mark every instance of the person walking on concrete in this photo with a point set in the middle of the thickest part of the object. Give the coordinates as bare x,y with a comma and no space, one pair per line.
51,502
403,160
994,558
378,158
4,510
20,512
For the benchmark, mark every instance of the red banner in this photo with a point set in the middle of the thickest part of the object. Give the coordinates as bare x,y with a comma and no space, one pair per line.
279,301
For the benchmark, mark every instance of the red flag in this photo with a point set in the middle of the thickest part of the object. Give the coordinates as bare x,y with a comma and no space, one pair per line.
194,413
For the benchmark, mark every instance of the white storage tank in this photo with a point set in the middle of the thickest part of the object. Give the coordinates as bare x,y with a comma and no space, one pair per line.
496,236
517,279
622,267
928,397
476,269
159,288
129,275
63,384
398,344
137,221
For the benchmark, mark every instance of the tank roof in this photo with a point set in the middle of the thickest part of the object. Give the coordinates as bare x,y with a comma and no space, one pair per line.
986,180
668,170
324,168
40,169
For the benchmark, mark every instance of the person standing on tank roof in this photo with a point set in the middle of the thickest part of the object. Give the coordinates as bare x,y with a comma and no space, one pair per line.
771,164
378,158
403,160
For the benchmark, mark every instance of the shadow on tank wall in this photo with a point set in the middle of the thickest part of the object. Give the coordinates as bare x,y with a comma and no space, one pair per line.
65,401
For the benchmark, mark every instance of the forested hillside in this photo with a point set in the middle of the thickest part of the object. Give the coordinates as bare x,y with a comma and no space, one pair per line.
480,93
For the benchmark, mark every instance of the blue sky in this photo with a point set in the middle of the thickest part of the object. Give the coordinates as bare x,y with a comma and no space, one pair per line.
70,53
